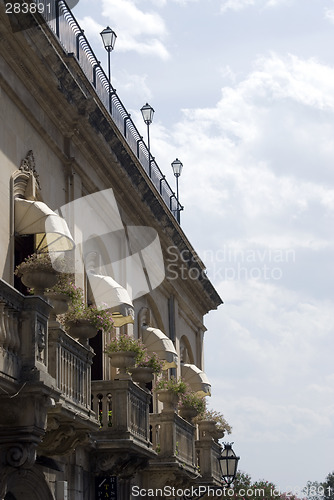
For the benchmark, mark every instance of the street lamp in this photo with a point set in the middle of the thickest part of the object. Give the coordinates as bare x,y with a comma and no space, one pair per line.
147,111
109,39
177,169
228,463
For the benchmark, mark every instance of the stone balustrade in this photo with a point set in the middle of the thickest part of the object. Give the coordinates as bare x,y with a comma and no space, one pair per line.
123,409
173,438
69,362
23,335
208,451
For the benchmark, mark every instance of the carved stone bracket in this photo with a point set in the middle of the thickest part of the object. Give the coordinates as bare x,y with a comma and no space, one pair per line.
62,439
124,466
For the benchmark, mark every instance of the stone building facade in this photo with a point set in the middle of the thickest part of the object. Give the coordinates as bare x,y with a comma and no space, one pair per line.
77,176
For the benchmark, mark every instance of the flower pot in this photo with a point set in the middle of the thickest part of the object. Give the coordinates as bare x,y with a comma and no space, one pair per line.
219,434
188,413
207,429
39,280
59,302
169,399
142,374
81,329
123,360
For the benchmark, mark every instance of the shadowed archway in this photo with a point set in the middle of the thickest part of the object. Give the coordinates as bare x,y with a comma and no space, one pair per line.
27,485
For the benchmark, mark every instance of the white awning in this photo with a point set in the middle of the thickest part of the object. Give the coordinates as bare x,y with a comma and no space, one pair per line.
196,378
51,230
156,341
108,294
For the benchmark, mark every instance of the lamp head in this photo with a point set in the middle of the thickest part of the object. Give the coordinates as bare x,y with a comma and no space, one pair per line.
147,111
177,167
228,463
108,38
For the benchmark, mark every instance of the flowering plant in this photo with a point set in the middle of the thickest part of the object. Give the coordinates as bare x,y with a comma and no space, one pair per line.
217,417
150,361
125,343
66,285
174,385
191,400
35,261
100,318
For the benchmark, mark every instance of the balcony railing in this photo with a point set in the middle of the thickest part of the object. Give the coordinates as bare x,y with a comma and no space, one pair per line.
70,364
173,438
11,305
123,410
23,335
62,22
208,452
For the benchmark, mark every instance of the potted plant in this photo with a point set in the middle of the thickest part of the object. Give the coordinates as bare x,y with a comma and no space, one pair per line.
83,321
124,352
212,424
190,405
147,365
169,392
38,272
63,292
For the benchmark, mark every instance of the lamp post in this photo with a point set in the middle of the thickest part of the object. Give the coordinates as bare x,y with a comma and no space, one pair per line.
147,112
109,39
177,169
228,463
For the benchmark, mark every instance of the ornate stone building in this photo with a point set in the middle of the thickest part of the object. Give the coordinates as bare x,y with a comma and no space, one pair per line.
77,177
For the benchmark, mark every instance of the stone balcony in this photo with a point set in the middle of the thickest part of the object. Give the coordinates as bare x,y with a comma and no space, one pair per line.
47,372
122,443
174,440
24,378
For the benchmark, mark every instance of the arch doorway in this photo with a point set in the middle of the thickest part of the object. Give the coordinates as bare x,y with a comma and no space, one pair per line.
27,485
10,496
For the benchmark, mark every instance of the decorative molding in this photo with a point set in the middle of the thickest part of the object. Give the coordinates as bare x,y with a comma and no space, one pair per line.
61,439
123,465
21,455
26,179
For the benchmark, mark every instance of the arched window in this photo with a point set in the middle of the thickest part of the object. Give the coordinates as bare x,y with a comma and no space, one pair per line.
10,496
186,355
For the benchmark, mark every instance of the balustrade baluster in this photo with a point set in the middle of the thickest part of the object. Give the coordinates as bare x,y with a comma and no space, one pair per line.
2,324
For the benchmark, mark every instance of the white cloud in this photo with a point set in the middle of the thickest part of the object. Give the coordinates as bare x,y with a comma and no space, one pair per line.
138,31
329,14
265,144
275,340
258,177
162,3
238,5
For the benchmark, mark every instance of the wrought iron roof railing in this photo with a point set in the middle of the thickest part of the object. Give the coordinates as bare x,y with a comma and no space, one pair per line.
62,22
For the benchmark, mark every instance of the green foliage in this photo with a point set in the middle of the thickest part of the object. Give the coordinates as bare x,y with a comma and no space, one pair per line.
246,489
329,487
100,318
150,361
217,417
314,490
178,386
143,358
66,285
35,262
126,343
190,399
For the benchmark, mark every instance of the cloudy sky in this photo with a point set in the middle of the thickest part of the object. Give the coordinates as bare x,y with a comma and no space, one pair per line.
243,92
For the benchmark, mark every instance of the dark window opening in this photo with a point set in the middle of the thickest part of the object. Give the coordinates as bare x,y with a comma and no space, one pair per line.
24,246
97,366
